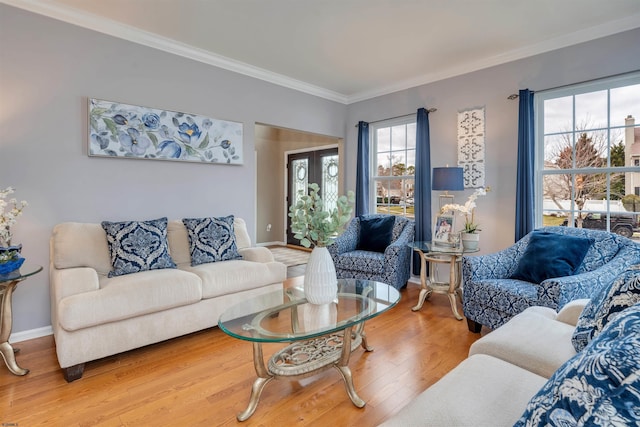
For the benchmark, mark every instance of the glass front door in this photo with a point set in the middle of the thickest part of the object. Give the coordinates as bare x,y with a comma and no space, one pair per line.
320,167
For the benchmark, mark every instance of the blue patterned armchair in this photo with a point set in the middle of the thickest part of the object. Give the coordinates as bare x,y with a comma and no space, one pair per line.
490,297
392,267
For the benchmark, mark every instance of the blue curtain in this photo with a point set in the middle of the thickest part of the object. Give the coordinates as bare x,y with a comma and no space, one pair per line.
422,196
362,170
524,181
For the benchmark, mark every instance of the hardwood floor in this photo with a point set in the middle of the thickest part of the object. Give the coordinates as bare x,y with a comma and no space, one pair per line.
205,378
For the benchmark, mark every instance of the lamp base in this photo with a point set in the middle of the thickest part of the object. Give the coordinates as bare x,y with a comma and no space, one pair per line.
445,199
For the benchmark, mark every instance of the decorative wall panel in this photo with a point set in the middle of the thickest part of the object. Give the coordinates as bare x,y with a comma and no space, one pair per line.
471,146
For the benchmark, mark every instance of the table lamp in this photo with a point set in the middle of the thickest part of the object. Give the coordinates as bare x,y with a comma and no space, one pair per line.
447,179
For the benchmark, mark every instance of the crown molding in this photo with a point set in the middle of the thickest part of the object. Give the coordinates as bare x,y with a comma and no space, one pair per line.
628,23
126,32
135,35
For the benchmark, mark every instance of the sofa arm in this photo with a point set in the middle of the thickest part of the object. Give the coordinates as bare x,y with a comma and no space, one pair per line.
72,281
257,254
586,285
347,241
570,313
400,247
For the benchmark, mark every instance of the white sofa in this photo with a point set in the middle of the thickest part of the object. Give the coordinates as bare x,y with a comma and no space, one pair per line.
504,370
94,316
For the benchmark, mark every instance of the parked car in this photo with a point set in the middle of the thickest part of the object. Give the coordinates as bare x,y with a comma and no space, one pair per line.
622,224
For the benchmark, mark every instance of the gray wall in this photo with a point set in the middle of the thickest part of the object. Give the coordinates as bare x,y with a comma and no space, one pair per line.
489,88
47,71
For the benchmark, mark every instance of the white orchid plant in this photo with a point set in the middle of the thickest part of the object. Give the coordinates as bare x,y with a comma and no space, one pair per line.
468,210
10,210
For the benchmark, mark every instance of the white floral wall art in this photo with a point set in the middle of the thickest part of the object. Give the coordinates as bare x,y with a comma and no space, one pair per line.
471,146
130,131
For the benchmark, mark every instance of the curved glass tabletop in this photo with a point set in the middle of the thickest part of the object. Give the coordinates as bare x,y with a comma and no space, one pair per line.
286,316
21,273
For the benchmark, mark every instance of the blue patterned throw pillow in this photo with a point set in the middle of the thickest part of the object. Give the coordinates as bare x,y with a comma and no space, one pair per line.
137,246
623,293
599,386
211,239
550,255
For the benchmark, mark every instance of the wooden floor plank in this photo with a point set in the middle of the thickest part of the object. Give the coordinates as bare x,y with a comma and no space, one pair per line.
205,378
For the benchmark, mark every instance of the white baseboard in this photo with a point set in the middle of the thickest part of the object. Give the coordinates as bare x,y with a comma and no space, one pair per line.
31,334
415,280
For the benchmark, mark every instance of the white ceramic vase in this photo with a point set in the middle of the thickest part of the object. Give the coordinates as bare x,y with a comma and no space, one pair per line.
320,280
319,316
470,241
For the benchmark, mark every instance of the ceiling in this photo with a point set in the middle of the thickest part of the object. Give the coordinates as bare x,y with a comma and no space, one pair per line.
349,50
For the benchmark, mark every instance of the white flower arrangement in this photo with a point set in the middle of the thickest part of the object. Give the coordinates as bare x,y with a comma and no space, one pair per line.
10,210
468,210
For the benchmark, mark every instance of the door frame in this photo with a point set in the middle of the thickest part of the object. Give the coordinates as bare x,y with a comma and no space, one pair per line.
286,177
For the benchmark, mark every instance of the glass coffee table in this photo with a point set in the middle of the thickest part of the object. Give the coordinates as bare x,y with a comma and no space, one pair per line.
321,336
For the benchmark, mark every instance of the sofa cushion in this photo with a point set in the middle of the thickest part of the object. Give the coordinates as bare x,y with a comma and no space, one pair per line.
480,391
211,239
75,244
137,246
129,296
610,301
375,233
222,278
598,386
533,340
551,255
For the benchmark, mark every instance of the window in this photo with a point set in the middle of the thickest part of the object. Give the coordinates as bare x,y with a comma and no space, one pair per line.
588,144
393,156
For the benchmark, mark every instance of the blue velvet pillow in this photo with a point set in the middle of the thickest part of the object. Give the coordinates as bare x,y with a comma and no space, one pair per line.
211,239
606,305
375,233
138,246
600,386
551,255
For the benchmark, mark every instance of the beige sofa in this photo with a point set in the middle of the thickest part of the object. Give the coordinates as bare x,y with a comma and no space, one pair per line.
94,316
504,370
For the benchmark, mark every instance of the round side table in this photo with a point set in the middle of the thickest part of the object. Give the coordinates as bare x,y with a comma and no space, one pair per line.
8,283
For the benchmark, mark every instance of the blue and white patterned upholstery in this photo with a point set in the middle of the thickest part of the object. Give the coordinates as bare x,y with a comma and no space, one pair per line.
392,267
138,246
599,386
491,298
211,239
604,307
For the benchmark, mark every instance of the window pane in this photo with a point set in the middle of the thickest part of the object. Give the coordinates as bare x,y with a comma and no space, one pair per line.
591,110
384,139
558,115
556,150
411,162
411,136
625,102
383,164
398,163
399,137
330,182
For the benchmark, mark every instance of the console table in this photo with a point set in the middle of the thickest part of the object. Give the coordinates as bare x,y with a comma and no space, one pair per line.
8,283
321,336
436,254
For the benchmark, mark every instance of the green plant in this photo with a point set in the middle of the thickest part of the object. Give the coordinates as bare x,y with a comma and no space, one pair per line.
312,224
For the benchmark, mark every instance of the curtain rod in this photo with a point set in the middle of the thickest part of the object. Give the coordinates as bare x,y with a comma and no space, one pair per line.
430,110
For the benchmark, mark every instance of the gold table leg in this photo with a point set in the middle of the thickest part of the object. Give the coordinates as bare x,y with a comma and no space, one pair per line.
6,321
453,287
258,385
343,368
425,290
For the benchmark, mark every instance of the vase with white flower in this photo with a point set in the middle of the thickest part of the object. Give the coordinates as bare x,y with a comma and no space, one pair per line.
10,210
315,225
469,235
